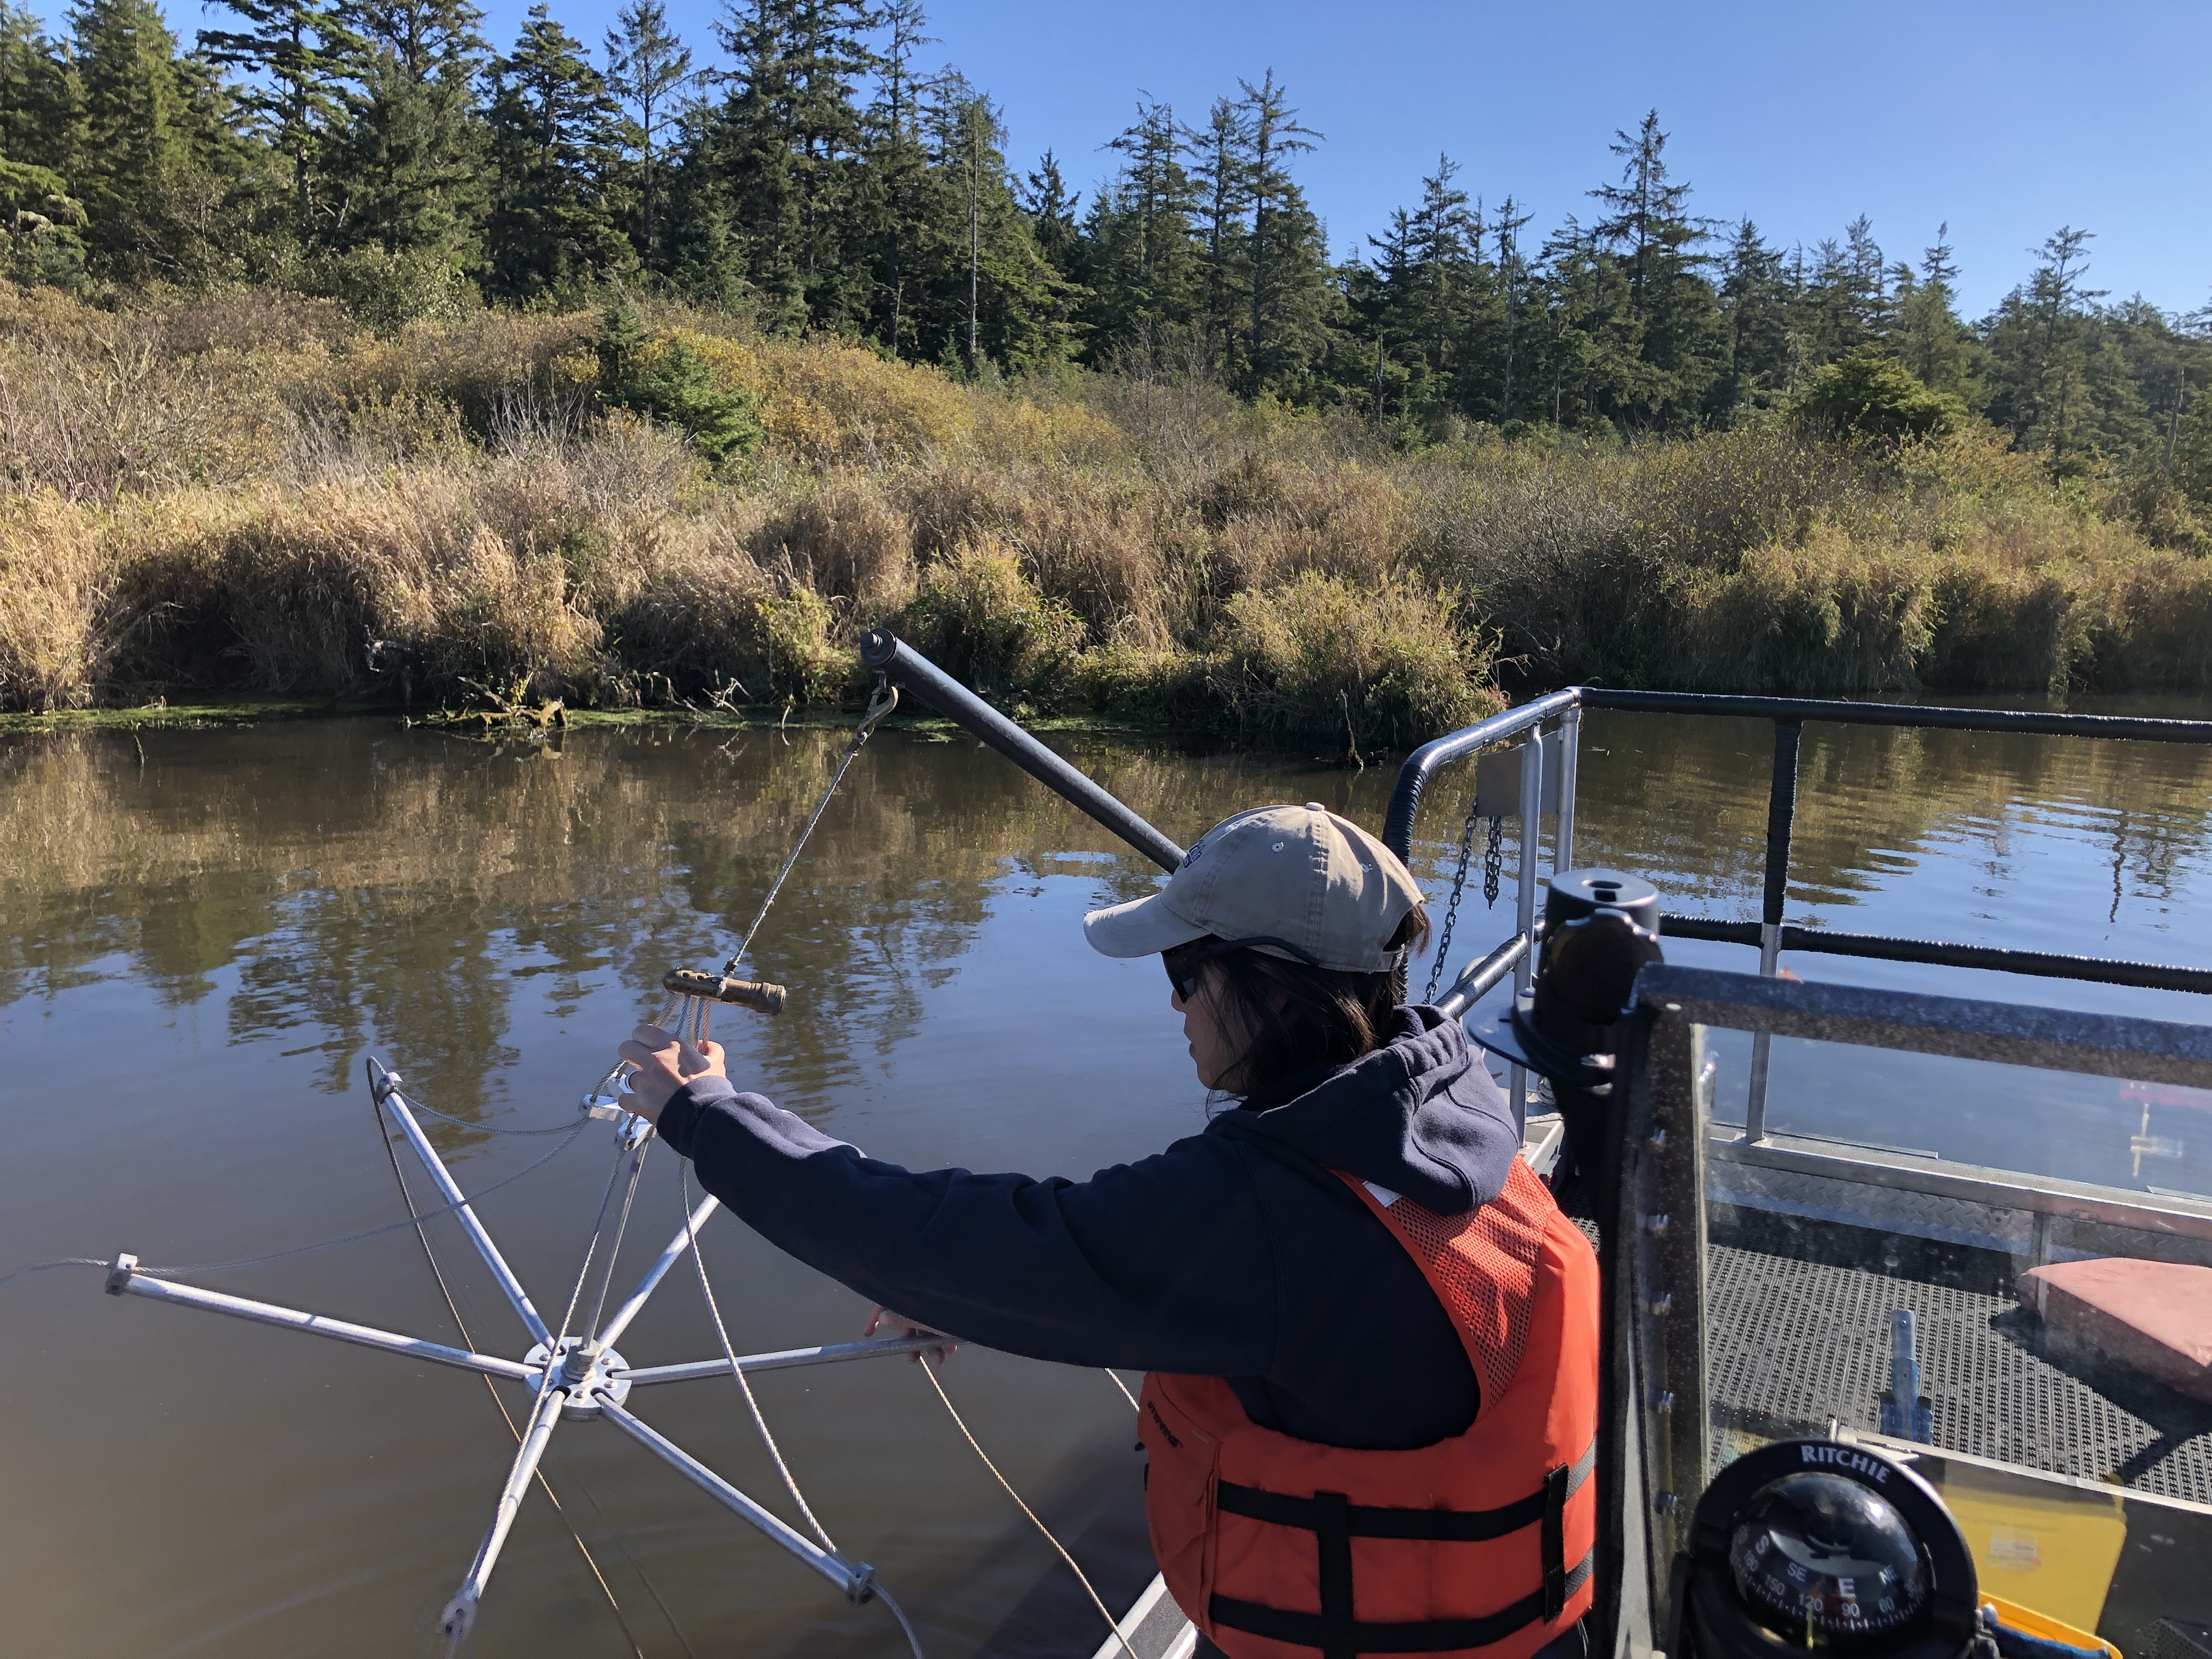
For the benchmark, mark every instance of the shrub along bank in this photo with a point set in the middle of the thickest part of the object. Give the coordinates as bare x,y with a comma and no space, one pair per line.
645,509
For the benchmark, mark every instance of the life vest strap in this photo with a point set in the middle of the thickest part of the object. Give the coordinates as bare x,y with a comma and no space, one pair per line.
1342,1638
1438,1526
1334,1522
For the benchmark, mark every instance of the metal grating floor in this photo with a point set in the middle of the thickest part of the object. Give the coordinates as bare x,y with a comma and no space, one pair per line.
1795,1343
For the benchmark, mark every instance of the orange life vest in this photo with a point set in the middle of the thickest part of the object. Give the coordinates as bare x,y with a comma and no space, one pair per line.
1277,1547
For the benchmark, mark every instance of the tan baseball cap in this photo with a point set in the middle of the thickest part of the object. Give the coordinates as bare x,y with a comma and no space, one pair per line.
1301,874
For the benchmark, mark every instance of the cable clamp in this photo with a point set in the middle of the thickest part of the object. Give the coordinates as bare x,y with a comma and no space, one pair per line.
859,1582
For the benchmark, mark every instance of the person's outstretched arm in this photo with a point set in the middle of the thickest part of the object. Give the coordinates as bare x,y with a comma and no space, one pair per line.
1161,1265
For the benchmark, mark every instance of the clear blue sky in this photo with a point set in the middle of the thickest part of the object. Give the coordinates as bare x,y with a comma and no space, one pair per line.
2006,119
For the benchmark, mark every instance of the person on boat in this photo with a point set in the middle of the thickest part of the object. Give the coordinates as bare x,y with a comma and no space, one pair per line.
1369,1336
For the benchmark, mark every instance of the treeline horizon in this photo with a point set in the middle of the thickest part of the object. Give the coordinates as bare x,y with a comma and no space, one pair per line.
383,154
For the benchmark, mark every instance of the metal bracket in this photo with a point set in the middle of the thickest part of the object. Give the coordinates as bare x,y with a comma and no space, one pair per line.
1497,778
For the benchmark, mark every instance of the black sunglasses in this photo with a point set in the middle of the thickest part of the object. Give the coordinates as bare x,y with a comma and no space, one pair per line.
1183,960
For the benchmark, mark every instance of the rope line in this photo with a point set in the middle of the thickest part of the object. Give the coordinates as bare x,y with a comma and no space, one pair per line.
233,1266
1112,1623
407,1197
31,1269
882,703
1124,1388
417,1102
591,1249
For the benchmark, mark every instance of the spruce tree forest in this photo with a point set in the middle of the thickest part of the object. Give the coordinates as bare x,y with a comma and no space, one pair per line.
802,270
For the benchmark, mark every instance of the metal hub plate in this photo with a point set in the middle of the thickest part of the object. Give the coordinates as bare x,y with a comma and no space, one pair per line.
604,1377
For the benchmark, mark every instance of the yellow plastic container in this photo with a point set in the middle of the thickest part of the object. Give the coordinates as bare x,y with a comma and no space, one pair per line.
2014,1616
2038,1545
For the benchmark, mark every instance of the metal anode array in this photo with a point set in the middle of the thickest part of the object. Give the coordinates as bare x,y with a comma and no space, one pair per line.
577,1373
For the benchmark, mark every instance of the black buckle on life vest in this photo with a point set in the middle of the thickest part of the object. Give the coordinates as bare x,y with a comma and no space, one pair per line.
1553,1544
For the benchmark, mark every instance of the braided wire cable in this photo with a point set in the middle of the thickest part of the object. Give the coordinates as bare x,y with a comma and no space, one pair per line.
882,703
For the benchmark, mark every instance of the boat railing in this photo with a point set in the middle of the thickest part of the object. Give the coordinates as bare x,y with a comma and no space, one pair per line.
1549,728
1658,1325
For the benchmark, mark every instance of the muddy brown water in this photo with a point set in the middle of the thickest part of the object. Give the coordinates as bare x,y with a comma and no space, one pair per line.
198,948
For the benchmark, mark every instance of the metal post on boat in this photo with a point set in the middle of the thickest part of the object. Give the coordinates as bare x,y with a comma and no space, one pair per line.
1563,820
1781,814
908,669
1532,821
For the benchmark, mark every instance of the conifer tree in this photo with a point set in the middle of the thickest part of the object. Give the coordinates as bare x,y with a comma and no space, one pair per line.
41,97
780,153
1670,303
1050,207
2037,342
134,114
1287,262
553,146
1220,172
1940,349
1144,260
41,222
1514,288
986,293
301,51
410,161
1755,295
647,68
897,164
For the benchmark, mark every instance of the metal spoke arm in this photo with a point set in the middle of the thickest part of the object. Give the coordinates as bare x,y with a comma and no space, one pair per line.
856,1580
667,1259
386,1086
460,1613
124,1279
788,1358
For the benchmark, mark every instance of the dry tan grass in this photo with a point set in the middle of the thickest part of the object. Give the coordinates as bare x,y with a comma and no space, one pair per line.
246,491
58,591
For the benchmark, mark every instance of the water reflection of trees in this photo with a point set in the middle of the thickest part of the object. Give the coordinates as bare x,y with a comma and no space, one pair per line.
351,880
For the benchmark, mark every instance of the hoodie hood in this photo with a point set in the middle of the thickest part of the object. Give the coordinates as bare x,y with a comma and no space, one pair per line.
1419,1117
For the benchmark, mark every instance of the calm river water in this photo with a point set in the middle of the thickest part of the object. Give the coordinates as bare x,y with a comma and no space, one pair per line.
199,946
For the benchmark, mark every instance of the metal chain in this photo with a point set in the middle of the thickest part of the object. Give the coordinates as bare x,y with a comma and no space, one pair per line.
1451,909
1493,861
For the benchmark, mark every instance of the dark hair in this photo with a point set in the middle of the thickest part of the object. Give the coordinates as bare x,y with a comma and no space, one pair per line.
1291,1015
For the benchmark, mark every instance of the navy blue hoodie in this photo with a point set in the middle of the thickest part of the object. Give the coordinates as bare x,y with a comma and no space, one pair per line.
1234,1254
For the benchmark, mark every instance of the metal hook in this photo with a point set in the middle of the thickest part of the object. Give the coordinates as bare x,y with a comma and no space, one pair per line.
881,702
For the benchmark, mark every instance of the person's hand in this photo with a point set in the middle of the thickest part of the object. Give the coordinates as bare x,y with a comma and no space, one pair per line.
908,1327
664,1064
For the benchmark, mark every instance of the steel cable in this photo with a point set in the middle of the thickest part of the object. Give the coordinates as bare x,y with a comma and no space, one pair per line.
882,703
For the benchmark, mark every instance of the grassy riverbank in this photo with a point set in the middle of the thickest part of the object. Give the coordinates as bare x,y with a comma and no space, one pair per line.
241,495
